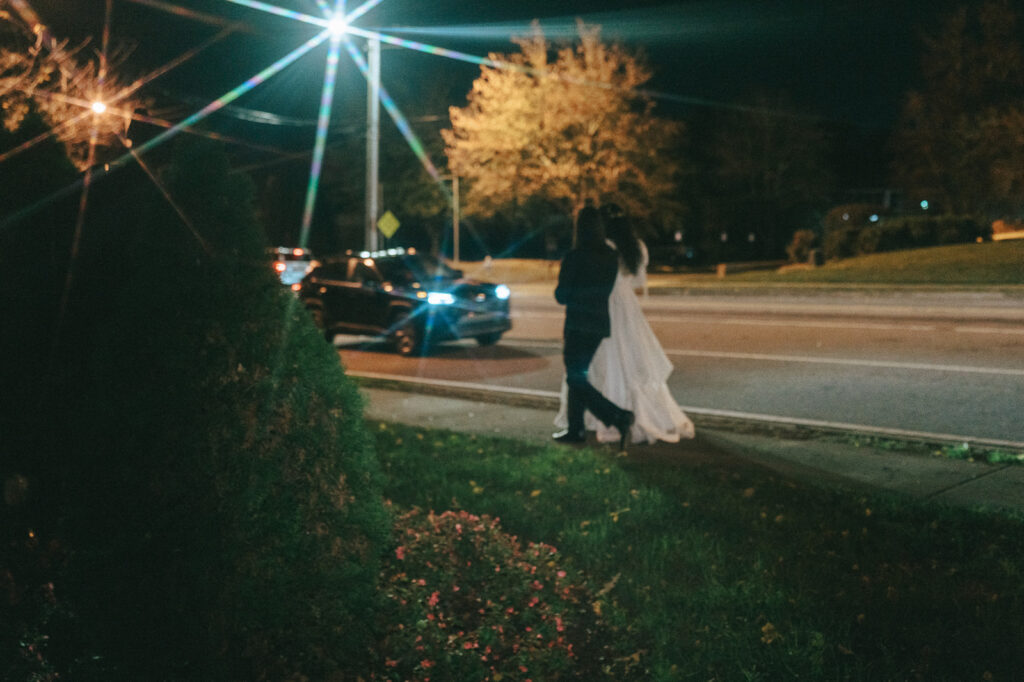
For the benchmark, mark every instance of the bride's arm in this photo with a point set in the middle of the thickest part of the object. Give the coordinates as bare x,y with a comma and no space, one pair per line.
641,271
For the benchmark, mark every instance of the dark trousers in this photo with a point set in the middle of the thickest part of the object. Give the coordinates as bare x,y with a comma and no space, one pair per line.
578,352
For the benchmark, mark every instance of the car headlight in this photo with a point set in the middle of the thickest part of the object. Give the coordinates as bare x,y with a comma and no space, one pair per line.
502,291
440,298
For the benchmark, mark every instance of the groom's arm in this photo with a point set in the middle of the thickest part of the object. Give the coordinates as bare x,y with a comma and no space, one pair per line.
564,292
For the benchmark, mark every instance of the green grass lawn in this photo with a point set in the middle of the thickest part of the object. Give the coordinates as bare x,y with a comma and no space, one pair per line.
963,264
723,572
986,264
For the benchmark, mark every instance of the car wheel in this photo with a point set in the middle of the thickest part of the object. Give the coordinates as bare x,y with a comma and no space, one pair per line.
408,340
488,339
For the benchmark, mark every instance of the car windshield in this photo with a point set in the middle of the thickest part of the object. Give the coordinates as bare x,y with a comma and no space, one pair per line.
414,268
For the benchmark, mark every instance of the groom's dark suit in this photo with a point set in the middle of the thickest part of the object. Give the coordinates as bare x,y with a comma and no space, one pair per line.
585,281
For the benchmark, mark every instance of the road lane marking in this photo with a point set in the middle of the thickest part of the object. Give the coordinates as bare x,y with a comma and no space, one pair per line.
797,323
988,330
688,319
906,434
885,364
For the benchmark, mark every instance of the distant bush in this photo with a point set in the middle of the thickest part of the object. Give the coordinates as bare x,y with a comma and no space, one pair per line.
800,246
900,233
840,243
855,216
196,450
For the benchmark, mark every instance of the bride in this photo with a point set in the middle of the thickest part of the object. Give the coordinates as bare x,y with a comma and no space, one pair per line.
630,368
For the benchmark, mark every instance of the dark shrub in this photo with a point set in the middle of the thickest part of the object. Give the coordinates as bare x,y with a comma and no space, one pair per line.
840,243
959,230
924,231
209,469
848,216
896,233
869,239
799,249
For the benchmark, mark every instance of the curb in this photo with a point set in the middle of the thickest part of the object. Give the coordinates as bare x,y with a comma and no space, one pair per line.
722,420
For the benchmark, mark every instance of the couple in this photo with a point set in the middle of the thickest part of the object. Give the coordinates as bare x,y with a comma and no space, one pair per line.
615,367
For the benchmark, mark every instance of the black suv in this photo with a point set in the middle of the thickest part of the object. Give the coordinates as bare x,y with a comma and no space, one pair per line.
408,298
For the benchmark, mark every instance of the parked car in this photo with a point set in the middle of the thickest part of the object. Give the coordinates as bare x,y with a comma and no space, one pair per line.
291,263
408,298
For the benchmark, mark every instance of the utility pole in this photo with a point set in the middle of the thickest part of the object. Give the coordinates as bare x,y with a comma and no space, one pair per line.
372,143
455,219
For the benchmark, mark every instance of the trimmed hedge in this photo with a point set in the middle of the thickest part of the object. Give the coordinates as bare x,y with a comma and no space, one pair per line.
193,448
900,233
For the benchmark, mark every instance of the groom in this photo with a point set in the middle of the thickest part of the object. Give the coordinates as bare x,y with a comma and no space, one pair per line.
585,281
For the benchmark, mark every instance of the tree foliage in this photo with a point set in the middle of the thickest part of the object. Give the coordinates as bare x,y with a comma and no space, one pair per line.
191,447
961,138
567,126
60,82
767,174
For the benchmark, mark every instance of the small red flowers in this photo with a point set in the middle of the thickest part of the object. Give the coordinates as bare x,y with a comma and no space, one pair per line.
479,589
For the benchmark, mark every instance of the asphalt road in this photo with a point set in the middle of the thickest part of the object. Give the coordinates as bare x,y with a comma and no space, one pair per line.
951,365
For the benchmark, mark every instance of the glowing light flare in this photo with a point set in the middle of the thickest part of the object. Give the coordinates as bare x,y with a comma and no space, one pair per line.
440,298
71,122
281,12
173,64
191,14
170,200
338,25
361,10
400,122
31,19
231,96
431,49
323,121
98,107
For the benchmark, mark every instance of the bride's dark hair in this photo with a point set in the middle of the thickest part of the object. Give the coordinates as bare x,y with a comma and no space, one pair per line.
620,231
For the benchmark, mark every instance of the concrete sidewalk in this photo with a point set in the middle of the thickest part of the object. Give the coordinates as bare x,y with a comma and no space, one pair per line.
821,460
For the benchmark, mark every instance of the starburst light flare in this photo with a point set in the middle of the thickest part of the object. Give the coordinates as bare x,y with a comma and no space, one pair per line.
282,12
361,10
323,122
400,121
232,95
429,49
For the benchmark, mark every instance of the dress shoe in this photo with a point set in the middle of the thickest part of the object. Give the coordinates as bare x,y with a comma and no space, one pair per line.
569,436
623,424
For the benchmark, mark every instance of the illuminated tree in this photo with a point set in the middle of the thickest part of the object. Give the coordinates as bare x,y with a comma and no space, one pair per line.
568,126
62,84
960,144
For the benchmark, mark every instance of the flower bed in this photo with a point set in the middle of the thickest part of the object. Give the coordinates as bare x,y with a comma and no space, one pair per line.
466,601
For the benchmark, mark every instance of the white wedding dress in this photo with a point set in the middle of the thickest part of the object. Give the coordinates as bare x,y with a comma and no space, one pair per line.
631,369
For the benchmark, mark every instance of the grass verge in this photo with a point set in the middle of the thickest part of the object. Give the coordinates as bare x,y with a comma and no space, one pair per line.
726,573
989,263
962,265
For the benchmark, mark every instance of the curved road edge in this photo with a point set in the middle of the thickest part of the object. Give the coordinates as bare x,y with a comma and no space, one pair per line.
723,420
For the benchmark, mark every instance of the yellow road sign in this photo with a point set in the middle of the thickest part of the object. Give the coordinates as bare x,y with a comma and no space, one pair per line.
388,224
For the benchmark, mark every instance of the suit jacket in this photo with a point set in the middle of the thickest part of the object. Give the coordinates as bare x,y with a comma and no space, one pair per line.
585,280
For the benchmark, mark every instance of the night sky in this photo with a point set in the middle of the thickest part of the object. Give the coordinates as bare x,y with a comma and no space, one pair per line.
843,60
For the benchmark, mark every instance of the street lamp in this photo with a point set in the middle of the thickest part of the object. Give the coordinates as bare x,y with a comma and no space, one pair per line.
338,25
372,142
